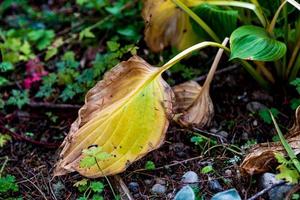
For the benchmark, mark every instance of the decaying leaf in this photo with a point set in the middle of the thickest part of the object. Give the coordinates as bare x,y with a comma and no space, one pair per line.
193,102
261,156
126,114
167,25
185,94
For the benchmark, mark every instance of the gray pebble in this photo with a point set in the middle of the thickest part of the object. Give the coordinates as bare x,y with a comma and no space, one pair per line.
158,189
133,187
215,186
190,177
276,193
255,106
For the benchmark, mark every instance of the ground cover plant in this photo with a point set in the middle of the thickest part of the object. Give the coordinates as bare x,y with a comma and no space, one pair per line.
166,99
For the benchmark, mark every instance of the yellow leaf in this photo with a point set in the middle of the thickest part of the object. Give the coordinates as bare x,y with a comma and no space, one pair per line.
167,25
126,114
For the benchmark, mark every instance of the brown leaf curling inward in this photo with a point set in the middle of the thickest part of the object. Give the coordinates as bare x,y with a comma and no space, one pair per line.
193,103
261,156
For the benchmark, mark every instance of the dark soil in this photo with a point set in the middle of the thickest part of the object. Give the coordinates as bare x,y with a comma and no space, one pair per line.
32,163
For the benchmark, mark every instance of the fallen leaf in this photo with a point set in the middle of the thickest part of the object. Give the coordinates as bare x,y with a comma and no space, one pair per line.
185,94
166,25
193,103
126,114
262,156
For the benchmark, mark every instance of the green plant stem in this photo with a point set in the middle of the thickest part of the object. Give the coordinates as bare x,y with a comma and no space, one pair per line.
197,19
189,50
275,17
295,69
202,45
249,68
293,57
286,145
107,180
239,4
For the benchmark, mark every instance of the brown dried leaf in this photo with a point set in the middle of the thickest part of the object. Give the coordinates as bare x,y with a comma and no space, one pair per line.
185,94
261,156
193,102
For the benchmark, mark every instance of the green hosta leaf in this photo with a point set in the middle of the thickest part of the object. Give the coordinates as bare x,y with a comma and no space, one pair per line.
223,22
253,43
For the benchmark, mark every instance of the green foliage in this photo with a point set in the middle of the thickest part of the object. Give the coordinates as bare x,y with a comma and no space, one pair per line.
92,155
42,38
287,170
4,138
6,66
8,184
296,83
150,165
264,114
207,169
222,21
88,188
254,43
18,98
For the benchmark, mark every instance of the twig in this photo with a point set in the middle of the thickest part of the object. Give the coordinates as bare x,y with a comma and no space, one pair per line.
34,104
21,137
42,193
218,72
123,189
266,190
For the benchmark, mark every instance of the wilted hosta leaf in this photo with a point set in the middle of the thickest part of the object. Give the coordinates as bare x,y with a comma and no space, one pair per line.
193,103
262,155
185,95
167,25
196,105
254,43
126,114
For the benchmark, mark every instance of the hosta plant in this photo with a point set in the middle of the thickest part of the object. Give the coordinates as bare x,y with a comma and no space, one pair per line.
269,39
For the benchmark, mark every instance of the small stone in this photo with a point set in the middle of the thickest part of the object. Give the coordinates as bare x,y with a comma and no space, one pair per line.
227,195
213,130
158,189
255,106
255,123
224,134
276,193
245,136
190,177
215,186
133,187
228,173
59,189
160,181
185,193
148,182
